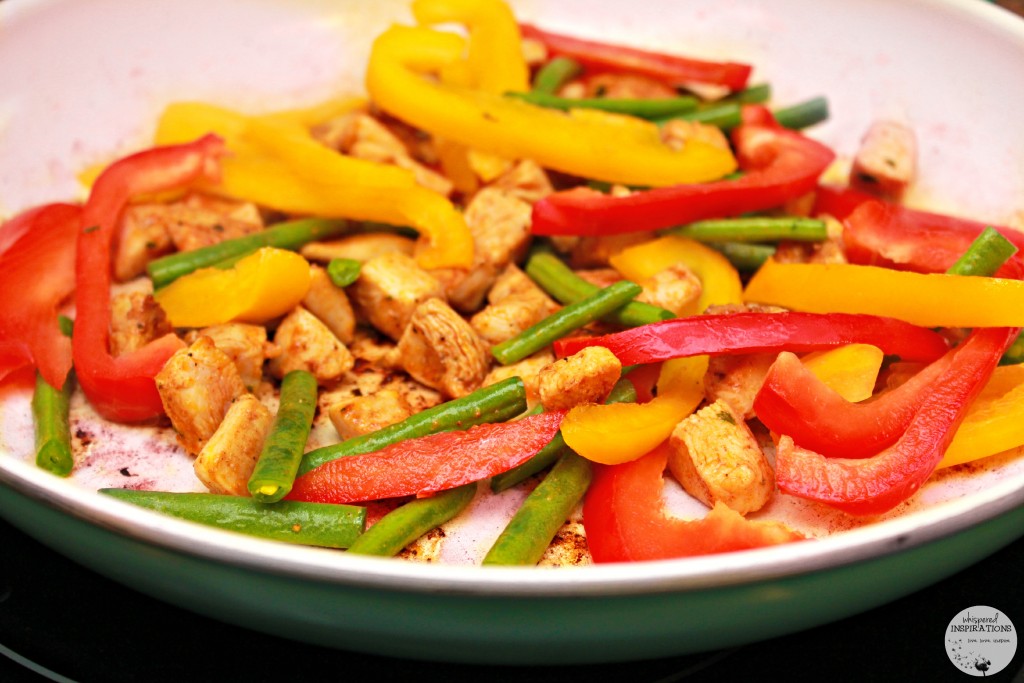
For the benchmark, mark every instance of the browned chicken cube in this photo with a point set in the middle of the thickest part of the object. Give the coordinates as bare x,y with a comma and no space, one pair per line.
737,379
716,458
587,376
517,303
886,162
441,350
676,289
361,247
677,132
526,180
197,386
246,345
527,370
143,236
135,320
305,343
364,414
389,289
227,460
330,304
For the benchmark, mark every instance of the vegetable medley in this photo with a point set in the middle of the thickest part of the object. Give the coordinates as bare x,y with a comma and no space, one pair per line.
526,260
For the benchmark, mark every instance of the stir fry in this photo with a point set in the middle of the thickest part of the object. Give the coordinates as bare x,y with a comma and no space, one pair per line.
526,260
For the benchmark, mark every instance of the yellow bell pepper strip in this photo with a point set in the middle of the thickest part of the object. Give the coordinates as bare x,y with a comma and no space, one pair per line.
620,432
720,282
994,422
851,371
928,300
495,61
592,144
274,162
260,287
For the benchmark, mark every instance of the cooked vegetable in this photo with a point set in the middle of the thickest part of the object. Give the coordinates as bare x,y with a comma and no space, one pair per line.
406,523
282,451
986,255
744,256
803,115
318,524
645,109
554,74
50,408
754,229
343,271
564,321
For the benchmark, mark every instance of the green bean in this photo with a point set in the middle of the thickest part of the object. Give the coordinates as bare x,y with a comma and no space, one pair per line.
495,403
745,256
289,235
622,392
642,108
804,114
405,524
554,74
50,408
754,229
542,514
564,321
727,115
754,94
319,524
278,464
343,271
66,324
558,280
987,253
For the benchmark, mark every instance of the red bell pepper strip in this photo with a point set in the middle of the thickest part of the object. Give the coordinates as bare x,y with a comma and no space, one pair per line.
428,464
778,165
671,69
876,484
838,202
123,388
625,519
754,332
37,273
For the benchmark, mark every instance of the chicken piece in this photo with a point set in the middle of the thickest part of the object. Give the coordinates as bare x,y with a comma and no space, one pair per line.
517,303
135,320
441,350
527,370
246,345
370,347
500,225
677,132
389,289
886,162
526,180
737,379
594,252
587,376
245,212
602,277
514,282
364,414
197,385
676,289
192,227
142,237
227,460
330,304
716,458
622,86
367,380
830,250
305,343
361,247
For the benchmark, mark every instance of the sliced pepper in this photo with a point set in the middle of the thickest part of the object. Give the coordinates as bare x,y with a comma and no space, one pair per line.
994,422
260,287
428,464
674,70
37,271
778,164
122,388
753,332
587,143
851,371
876,484
931,300
626,521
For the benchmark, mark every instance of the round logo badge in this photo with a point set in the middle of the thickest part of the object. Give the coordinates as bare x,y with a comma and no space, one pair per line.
981,641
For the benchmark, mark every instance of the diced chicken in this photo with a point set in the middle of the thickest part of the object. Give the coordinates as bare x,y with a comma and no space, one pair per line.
527,370
192,226
514,282
526,180
364,414
246,345
367,380
197,386
886,162
516,304
358,247
737,379
305,343
716,458
227,460
389,289
441,350
830,250
602,277
677,132
372,348
135,320
676,289
584,377
330,304
620,86
142,237
594,252
245,212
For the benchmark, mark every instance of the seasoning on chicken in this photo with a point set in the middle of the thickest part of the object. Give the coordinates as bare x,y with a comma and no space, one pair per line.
526,180
440,349
330,304
197,224
135,320
305,343
737,379
527,370
364,414
886,162
197,385
227,460
677,132
716,458
244,344
389,289
584,377
676,289
142,237
362,247
830,250
516,303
